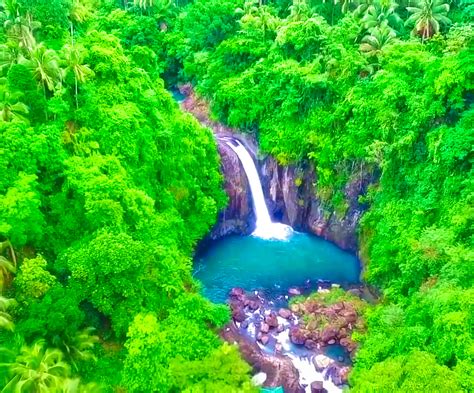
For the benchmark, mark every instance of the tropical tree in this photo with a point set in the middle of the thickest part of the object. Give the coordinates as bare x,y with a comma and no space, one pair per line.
144,4
74,56
46,69
5,317
78,346
298,10
10,107
372,44
37,369
427,16
380,12
7,266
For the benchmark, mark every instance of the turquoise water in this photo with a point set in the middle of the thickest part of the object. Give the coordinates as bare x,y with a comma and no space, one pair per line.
272,266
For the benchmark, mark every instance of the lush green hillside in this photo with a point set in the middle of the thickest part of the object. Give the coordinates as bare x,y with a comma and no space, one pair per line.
106,186
105,189
366,87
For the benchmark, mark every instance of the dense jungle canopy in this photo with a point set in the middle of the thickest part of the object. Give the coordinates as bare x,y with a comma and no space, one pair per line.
106,186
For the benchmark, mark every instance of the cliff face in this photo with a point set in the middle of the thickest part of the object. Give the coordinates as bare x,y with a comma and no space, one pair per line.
292,198
238,217
290,191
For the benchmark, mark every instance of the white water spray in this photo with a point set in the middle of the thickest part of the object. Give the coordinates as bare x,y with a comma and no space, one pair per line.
265,228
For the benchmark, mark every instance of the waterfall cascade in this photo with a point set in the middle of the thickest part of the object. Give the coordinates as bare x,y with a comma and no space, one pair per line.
265,228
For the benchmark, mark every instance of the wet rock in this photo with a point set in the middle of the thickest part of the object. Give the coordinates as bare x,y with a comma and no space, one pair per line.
342,333
332,342
280,328
297,336
264,339
237,292
264,328
294,291
324,284
344,374
338,375
310,344
329,333
254,305
238,217
239,315
259,379
271,320
244,324
284,313
350,316
348,344
318,387
322,362
278,347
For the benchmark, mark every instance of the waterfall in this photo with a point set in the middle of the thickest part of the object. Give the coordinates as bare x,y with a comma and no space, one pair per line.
265,228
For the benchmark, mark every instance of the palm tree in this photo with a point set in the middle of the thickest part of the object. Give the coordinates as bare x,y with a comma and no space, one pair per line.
7,267
78,346
37,369
381,36
46,69
21,30
144,4
74,56
427,16
5,318
380,12
11,109
299,9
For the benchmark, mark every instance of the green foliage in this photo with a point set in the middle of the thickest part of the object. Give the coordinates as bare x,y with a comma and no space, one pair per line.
106,187
356,97
33,280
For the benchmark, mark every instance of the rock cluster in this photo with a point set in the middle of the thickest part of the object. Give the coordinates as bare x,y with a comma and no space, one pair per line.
242,305
325,325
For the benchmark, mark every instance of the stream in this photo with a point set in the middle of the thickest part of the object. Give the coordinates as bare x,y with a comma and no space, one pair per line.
273,263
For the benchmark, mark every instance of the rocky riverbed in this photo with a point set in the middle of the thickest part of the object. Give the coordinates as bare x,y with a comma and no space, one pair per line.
304,345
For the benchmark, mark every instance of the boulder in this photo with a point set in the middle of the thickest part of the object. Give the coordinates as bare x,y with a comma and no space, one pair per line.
244,324
294,291
322,362
280,328
329,333
238,315
237,292
254,305
338,375
332,342
271,320
318,387
259,379
310,344
264,339
350,316
284,313
297,336
278,347
264,328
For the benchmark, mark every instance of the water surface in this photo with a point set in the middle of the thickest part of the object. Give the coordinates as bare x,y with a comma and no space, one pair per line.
272,266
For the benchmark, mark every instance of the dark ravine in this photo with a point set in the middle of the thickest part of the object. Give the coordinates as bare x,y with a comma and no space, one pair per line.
290,191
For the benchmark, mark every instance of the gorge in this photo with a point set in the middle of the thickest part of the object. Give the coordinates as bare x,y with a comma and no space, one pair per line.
273,262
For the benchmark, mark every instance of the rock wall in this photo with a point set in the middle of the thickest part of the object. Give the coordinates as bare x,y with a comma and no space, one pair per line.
290,191
238,217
